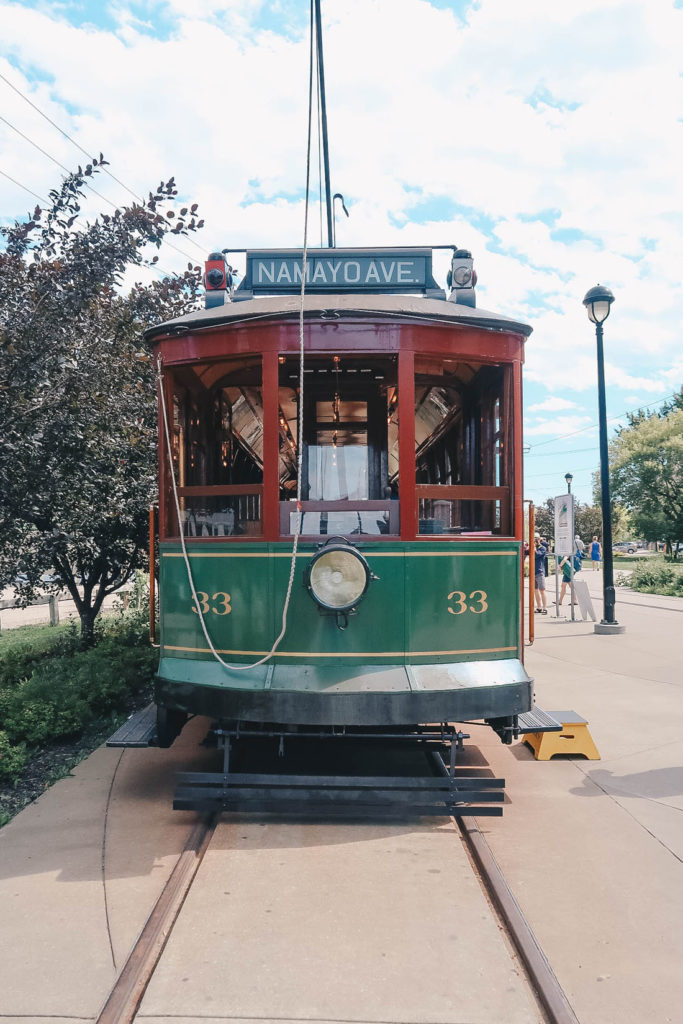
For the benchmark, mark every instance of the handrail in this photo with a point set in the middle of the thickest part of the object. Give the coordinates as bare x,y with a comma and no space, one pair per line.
532,567
469,492
462,492
220,490
152,581
358,505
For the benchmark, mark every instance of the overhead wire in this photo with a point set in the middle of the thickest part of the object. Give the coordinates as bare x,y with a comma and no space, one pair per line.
161,271
25,187
557,455
86,183
82,150
610,419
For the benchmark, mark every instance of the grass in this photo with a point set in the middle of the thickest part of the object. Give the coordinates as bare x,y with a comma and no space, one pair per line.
39,638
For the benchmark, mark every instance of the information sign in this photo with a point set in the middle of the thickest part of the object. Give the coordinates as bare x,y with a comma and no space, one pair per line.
564,525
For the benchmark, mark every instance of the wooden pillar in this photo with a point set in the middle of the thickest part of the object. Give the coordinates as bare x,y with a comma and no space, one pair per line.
518,456
406,444
271,446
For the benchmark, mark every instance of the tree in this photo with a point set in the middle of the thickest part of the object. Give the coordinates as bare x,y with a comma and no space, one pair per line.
647,475
587,519
545,519
77,392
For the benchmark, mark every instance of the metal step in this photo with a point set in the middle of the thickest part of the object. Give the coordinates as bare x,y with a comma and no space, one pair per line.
538,721
140,730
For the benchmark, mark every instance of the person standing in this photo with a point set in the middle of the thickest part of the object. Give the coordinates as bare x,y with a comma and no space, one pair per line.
578,554
566,567
596,553
540,555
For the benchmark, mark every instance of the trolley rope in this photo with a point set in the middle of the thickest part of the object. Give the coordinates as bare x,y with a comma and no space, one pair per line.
299,514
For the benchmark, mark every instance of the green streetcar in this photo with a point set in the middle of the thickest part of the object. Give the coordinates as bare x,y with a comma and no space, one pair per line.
341,518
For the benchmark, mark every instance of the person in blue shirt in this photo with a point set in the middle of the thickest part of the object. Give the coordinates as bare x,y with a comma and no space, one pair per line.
540,556
595,553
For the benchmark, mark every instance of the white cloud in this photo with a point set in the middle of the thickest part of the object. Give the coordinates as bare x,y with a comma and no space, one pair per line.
552,404
546,138
560,426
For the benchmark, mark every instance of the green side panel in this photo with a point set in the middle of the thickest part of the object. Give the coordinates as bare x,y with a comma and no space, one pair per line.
430,603
463,603
235,588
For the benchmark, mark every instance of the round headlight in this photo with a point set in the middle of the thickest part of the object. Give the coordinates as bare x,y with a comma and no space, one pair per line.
337,578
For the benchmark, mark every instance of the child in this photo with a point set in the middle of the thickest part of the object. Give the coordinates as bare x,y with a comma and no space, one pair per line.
566,567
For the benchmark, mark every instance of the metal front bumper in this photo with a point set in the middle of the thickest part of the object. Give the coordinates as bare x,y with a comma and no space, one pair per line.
347,694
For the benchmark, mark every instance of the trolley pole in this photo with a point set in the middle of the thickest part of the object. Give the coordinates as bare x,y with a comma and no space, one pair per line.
323,118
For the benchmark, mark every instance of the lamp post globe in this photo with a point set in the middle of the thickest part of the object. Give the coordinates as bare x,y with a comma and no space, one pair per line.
569,477
598,302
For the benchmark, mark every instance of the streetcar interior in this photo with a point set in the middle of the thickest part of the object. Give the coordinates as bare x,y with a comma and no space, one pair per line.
350,450
462,447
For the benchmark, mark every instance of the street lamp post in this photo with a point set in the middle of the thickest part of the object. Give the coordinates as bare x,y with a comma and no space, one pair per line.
572,600
598,301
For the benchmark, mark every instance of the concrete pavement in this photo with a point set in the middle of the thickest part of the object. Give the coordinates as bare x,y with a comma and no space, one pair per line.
80,870
592,850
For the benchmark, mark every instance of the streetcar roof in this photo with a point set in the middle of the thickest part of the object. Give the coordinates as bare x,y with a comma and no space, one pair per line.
339,306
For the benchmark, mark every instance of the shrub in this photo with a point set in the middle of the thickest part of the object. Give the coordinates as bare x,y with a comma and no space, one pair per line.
12,759
654,577
58,696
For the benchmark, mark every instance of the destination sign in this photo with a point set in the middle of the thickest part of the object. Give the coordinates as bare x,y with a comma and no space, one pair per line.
271,272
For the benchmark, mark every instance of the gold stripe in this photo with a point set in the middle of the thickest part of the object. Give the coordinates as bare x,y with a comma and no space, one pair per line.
342,654
369,554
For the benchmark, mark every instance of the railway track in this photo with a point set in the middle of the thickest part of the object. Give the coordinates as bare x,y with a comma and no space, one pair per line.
125,998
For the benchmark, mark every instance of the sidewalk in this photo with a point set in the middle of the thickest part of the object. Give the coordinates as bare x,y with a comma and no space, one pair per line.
593,849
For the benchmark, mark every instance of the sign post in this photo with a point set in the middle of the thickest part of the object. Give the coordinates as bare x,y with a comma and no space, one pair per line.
564,541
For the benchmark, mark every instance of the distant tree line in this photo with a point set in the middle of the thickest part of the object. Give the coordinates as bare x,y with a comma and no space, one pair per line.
646,470
646,483
587,520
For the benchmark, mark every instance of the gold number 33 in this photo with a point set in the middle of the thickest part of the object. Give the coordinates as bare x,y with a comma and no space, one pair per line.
460,599
224,607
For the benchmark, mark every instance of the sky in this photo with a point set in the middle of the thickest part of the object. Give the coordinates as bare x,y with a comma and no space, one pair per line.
544,137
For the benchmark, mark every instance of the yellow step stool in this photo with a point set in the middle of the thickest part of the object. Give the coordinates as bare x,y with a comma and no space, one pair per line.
574,738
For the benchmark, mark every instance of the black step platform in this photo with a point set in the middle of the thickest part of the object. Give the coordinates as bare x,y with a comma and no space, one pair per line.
538,721
140,730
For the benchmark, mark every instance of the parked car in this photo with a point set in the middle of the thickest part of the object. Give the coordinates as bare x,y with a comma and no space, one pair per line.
47,577
626,546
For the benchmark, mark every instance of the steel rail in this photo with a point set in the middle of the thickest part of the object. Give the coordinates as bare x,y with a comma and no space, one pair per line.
125,997
548,990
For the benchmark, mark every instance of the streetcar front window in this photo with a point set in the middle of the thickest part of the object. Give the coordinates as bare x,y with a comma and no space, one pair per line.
349,456
217,448
462,447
